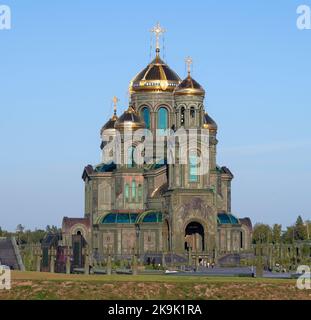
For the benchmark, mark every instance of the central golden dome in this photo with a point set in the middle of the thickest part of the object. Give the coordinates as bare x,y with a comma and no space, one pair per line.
157,76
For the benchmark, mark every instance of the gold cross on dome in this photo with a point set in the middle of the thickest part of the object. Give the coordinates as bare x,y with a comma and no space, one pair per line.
189,62
115,100
158,31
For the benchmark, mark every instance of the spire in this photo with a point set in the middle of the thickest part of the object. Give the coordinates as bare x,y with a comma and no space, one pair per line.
115,100
189,62
158,31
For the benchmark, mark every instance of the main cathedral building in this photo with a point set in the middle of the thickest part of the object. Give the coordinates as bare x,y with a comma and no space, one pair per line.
158,207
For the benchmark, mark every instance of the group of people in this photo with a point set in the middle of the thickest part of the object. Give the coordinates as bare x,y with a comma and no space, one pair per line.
206,264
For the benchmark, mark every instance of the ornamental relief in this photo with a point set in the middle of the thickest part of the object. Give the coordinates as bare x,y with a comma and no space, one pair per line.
196,209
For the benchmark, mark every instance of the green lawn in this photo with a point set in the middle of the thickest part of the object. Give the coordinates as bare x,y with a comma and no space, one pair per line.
34,285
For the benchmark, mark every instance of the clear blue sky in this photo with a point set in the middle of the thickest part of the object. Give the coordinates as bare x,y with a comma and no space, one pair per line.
63,61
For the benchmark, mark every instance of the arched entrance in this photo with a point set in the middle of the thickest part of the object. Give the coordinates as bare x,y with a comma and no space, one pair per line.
78,243
194,237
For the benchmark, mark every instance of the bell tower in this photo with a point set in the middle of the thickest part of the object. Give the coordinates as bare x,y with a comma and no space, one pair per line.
191,197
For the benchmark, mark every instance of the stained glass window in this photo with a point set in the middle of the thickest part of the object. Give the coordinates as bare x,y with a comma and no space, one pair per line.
145,113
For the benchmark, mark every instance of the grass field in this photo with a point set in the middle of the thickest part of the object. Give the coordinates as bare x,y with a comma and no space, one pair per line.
33,285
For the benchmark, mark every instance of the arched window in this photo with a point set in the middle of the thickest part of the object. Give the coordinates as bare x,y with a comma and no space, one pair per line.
145,114
162,118
182,116
193,168
133,190
127,192
130,157
192,112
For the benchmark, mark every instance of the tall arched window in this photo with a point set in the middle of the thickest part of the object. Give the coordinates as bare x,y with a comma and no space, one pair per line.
182,116
130,157
193,168
192,112
162,118
145,114
133,190
127,192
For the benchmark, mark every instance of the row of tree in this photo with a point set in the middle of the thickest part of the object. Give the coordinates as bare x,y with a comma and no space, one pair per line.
26,236
263,233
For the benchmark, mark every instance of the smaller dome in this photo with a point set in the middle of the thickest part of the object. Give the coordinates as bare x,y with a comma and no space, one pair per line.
209,123
189,87
129,120
109,124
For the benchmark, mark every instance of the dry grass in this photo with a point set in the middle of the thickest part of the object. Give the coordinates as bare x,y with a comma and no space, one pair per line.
33,285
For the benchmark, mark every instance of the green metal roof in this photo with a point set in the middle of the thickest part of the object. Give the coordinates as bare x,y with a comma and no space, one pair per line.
131,218
119,218
227,218
105,167
155,166
150,217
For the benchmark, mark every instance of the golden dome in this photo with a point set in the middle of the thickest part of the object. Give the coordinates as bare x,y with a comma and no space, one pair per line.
157,76
109,124
130,120
209,123
189,87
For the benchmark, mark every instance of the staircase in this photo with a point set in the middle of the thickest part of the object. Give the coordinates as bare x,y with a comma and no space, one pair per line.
229,260
9,254
169,258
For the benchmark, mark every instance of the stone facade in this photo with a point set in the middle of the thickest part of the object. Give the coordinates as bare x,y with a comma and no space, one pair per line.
156,207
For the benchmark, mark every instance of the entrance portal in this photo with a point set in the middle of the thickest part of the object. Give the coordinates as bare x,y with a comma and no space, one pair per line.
194,237
77,246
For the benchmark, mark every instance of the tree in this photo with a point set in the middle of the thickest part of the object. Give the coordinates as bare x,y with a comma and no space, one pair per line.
289,235
262,233
296,232
300,230
276,233
308,227
20,228
51,229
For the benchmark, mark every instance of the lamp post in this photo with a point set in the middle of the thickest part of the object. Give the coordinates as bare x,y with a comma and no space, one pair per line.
137,229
